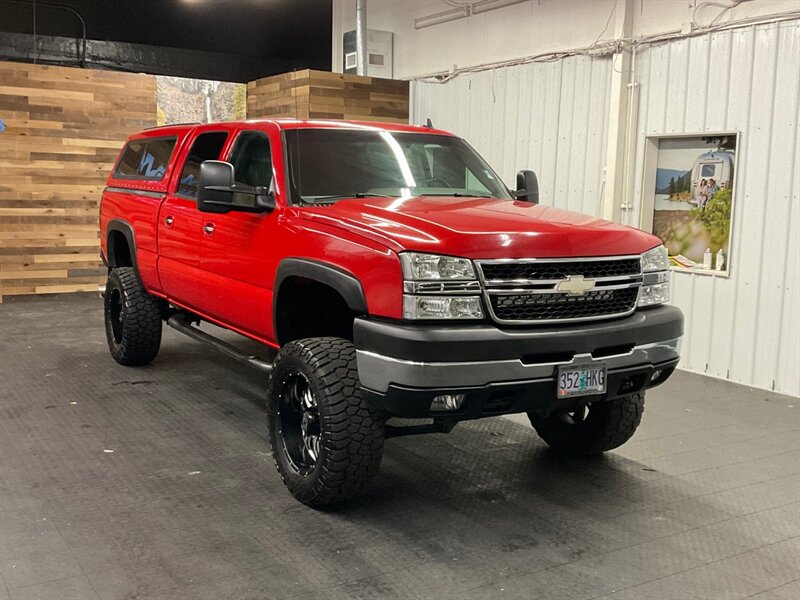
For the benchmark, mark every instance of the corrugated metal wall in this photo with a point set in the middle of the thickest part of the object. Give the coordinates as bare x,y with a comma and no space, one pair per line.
549,117
552,117
745,328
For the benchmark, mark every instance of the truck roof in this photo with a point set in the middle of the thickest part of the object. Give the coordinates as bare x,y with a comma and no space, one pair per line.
286,124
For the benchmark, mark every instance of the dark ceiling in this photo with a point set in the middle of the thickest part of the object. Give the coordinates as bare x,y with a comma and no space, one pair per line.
295,30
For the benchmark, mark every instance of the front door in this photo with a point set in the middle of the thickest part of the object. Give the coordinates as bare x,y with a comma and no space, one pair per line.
239,247
180,227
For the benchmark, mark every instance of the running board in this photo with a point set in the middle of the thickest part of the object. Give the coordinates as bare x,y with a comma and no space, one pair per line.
179,323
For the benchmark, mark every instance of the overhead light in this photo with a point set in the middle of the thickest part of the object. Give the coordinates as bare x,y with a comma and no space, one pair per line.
483,6
441,17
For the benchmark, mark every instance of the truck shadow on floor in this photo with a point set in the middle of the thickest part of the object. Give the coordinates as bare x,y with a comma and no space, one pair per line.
491,496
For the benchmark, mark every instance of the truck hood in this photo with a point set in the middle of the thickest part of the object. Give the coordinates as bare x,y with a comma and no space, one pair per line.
480,227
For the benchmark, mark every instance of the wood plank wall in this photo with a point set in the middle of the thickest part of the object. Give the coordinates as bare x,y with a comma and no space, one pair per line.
320,95
64,128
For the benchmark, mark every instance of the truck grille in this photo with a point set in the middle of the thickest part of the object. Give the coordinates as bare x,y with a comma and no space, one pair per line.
561,307
527,291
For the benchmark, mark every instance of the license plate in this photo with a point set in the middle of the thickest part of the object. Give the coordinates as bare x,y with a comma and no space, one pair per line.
581,380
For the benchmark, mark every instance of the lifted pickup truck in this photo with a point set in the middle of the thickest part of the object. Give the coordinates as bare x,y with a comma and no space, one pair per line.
396,277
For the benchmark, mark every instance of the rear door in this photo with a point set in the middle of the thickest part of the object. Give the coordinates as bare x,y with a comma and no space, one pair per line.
180,223
239,247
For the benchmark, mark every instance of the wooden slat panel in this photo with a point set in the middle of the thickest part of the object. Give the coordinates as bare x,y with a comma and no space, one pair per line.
64,128
316,94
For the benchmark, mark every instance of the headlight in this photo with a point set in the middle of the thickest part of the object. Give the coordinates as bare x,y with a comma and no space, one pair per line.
655,281
439,287
418,266
655,260
442,307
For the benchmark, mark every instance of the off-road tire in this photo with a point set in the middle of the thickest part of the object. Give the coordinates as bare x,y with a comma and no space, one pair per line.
351,431
607,425
132,318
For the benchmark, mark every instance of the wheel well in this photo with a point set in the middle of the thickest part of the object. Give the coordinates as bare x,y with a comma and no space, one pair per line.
308,308
119,252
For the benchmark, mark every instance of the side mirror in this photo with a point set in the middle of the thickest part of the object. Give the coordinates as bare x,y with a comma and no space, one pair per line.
215,187
527,187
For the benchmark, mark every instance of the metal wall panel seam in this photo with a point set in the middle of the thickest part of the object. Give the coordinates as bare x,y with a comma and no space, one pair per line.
785,159
759,147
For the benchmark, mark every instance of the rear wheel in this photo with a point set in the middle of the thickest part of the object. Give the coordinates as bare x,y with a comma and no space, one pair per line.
592,429
132,318
327,442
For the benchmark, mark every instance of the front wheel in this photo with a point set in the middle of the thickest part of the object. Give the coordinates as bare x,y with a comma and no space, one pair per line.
327,442
592,429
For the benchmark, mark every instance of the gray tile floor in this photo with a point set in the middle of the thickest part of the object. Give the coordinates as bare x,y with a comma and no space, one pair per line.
157,483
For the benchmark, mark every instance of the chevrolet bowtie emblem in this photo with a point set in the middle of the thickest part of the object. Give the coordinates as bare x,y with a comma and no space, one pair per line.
575,285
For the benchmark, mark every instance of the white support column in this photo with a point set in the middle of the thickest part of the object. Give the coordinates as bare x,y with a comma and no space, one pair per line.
618,134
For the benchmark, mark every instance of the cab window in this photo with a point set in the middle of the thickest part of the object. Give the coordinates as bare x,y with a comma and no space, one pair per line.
206,146
252,162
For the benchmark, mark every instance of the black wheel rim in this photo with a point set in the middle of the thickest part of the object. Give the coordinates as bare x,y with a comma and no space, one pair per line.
115,314
299,422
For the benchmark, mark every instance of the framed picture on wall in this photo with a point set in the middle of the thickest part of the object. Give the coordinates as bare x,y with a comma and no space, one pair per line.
183,100
688,197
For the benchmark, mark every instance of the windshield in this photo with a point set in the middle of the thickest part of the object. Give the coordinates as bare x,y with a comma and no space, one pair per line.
329,164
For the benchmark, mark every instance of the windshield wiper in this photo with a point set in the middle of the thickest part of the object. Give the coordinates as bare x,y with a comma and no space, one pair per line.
459,195
323,199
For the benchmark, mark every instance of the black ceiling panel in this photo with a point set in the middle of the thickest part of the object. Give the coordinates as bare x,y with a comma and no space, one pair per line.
294,30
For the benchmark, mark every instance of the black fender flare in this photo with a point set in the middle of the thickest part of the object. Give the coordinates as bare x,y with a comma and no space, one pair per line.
346,284
127,231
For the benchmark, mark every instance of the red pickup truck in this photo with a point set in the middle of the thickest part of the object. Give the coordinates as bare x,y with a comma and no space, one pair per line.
394,276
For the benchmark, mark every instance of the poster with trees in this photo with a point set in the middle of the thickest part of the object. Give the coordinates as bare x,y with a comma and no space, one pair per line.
693,199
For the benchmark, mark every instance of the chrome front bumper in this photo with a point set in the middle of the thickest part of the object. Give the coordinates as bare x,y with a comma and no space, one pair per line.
403,366
378,372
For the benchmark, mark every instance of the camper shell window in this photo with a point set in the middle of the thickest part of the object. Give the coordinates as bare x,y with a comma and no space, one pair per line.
145,159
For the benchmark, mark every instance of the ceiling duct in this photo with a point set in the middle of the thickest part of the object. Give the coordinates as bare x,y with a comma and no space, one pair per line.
361,37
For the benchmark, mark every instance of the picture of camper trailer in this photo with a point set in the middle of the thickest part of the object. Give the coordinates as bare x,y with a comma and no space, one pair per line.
693,196
711,169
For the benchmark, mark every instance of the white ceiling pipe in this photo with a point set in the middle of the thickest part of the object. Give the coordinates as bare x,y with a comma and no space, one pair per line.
461,11
483,6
